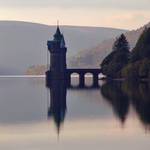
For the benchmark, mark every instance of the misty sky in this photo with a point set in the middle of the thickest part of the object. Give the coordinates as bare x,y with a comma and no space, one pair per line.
128,14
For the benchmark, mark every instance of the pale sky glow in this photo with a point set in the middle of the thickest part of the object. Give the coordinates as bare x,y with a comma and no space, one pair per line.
129,14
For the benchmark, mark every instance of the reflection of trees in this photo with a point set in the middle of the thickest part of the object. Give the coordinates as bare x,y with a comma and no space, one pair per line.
121,94
140,98
119,100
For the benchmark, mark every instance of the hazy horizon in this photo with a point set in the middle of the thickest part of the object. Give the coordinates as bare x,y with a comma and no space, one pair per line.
65,25
99,13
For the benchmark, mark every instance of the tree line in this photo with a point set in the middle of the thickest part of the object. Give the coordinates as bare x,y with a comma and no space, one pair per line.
123,63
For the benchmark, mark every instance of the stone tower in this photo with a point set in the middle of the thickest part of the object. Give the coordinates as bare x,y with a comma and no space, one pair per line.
57,51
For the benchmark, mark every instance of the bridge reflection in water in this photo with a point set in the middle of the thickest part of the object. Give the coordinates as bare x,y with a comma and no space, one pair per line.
58,95
121,96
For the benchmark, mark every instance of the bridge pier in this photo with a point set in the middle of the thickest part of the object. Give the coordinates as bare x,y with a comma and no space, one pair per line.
68,79
81,80
95,80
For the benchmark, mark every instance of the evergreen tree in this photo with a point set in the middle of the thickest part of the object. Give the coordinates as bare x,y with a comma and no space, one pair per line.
142,48
117,59
121,44
139,65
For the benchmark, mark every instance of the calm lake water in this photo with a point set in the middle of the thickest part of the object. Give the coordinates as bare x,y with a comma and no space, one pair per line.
115,116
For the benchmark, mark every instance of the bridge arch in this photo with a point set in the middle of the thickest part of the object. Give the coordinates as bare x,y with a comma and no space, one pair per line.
89,79
74,79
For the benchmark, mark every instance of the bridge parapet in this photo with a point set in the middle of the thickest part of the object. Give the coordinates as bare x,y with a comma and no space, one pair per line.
84,71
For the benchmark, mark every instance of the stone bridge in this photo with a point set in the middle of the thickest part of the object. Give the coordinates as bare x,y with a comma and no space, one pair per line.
82,73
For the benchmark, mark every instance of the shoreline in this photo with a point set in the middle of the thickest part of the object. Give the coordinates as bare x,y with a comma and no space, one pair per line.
125,79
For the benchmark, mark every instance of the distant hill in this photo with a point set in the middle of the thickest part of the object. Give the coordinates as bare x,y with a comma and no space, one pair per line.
92,57
24,45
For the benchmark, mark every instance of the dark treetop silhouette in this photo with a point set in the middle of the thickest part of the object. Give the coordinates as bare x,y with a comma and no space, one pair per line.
58,67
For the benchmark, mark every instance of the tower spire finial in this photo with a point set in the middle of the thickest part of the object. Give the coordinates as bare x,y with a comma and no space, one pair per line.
57,23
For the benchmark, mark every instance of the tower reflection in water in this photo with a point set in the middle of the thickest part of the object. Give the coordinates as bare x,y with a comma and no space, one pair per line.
58,104
58,107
